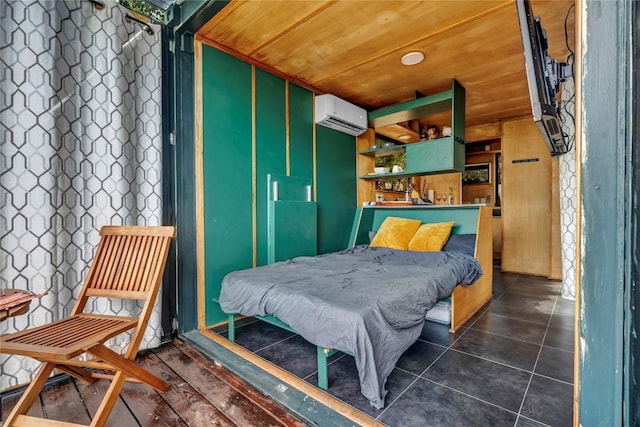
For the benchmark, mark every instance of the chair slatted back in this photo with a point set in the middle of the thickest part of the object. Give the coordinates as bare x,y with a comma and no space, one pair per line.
128,264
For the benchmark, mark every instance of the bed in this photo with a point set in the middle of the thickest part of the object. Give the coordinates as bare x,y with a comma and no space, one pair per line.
368,302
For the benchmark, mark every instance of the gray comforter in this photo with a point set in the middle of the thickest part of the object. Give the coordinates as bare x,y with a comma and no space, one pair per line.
370,302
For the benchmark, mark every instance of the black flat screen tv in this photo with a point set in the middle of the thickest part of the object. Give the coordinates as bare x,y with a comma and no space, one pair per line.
544,75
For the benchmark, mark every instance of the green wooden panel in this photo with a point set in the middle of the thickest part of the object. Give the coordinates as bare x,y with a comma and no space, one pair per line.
292,229
292,188
336,183
300,131
458,113
607,200
362,224
465,217
438,155
226,98
414,109
270,147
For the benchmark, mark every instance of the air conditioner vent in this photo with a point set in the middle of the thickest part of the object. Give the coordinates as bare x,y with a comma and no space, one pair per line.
340,115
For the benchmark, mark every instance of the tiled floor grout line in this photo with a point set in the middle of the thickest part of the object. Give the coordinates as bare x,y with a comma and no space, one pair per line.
274,343
506,336
490,360
328,364
535,421
519,320
536,363
438,358
469,395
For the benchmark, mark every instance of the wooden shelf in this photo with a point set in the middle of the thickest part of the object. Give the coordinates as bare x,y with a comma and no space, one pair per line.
383,151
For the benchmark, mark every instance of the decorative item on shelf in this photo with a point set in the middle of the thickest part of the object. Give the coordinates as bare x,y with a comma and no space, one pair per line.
431,196
446,130
397,169
450,196
432,132
380,169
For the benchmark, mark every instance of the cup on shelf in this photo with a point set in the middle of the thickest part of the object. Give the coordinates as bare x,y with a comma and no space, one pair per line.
397,169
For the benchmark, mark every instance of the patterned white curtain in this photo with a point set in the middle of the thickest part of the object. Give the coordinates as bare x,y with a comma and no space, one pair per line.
568,196
80,135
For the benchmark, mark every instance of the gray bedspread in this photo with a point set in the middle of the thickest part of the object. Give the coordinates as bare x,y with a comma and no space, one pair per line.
370,302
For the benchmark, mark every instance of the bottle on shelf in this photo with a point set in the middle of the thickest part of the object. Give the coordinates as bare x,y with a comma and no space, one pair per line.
450,196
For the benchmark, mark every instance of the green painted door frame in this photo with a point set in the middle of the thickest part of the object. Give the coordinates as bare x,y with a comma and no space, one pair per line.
607,198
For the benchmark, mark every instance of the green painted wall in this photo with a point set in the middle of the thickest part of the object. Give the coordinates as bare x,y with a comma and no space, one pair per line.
337,188
271,146
301,131
227,170
228,176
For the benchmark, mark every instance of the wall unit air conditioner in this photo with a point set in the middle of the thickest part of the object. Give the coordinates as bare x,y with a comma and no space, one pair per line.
340,115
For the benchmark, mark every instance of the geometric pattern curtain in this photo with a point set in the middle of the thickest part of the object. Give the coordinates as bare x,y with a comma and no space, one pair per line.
568,196
80,132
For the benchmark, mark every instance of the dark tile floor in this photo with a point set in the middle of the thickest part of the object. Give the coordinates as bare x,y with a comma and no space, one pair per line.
511,365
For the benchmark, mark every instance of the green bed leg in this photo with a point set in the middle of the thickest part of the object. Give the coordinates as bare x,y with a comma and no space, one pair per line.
232,328
323,375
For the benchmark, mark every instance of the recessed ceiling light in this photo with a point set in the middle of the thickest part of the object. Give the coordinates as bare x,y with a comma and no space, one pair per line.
412,58
404,136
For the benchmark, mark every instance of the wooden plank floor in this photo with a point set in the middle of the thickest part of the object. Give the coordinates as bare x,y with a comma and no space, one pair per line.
200,394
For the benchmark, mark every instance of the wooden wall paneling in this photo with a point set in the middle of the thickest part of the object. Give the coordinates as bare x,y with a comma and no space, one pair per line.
497,237
483,132
199,184
270,147
227,171
337,188
555,244
301,124
525,201
441,183
365,165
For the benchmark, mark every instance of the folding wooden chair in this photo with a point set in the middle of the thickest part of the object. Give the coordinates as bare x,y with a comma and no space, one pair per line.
129,264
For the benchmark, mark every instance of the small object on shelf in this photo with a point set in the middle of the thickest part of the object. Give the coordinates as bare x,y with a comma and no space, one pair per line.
446,131
432,132
387,145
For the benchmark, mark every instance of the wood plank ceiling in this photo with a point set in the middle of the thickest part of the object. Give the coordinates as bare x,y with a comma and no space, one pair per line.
353,48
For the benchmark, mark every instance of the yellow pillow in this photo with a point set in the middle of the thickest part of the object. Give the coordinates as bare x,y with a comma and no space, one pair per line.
395,233
431,237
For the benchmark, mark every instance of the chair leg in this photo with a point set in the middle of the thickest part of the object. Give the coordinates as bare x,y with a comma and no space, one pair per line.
77,372
31,393
128,367
109,400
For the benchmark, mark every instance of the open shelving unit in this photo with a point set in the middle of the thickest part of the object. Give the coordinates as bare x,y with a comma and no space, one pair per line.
441,155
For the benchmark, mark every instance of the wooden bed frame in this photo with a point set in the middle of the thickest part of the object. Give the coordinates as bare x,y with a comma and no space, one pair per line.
465,300
469,219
